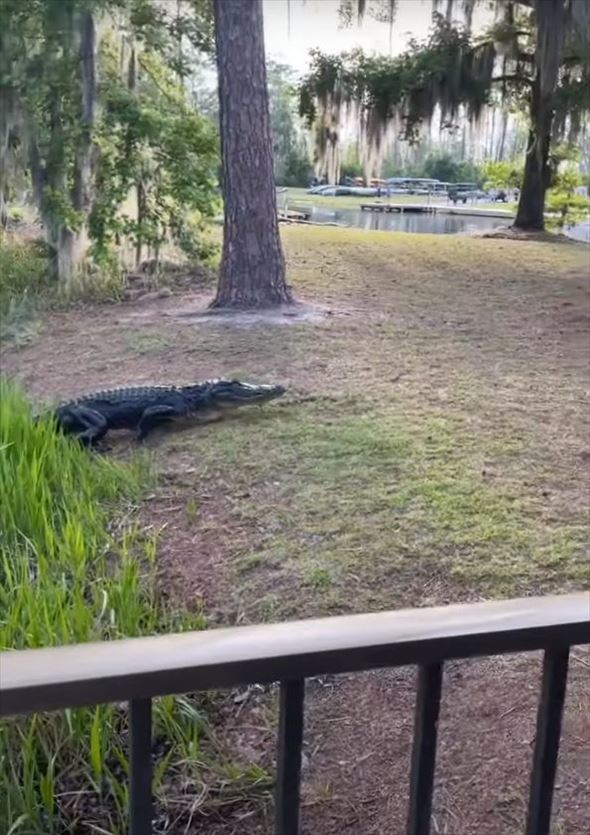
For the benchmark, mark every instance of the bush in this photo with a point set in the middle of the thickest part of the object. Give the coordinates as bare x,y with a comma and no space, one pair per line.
68,574
564,206
503,175
24,280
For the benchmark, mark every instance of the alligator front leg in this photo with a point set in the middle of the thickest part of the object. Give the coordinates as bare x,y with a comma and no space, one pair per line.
153,416
92,425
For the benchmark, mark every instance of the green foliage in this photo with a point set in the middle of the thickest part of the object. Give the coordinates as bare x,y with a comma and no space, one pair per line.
176,33
469,172
88,135
443,70
24,283
69,574
503,175
152,140
297,169
443,167
457,74
42,80
438,166
565,205
23,269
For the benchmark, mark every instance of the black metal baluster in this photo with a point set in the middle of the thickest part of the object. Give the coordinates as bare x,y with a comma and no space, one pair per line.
289,757
424,751
555,664
140,789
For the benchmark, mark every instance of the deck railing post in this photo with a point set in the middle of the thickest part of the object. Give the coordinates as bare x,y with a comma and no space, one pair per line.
555,664
140,788
289,757
424,750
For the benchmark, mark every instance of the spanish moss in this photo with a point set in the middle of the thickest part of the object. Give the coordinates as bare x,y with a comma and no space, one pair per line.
387,97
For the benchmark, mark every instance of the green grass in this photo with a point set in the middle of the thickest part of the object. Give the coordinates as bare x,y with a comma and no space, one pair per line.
381,501
429,450
74,566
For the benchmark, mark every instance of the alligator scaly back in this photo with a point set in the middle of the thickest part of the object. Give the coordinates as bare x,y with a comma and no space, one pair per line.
141,408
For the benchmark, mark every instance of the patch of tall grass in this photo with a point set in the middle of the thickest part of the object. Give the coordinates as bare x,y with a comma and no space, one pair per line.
24,281
75,567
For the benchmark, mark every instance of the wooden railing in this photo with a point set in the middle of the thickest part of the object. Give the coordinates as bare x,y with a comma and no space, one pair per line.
136,670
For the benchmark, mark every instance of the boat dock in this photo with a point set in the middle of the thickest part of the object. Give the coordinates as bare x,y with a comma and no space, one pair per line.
293,215
430,208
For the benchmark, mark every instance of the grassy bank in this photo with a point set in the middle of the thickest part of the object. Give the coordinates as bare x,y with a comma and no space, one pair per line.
74,566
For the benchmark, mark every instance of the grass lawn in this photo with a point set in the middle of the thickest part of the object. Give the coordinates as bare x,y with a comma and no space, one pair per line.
441,432
433,447
300,197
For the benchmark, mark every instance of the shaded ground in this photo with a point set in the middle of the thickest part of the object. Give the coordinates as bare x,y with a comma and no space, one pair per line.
434,447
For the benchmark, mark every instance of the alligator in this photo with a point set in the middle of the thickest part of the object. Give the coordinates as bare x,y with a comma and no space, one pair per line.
143,408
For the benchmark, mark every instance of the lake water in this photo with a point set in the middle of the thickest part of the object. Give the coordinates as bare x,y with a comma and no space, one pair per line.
433,224
437,224
580,232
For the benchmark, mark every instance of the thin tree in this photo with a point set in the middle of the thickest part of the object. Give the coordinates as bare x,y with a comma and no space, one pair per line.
252,272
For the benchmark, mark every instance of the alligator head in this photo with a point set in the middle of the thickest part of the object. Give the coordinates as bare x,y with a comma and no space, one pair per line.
230,394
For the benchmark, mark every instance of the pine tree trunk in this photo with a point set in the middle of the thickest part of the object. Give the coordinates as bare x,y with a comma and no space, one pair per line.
537,173
252,267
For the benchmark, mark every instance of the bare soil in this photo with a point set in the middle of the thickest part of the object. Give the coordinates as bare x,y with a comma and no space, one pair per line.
433,447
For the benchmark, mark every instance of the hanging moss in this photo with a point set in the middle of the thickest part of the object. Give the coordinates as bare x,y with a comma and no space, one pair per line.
450,73
396,94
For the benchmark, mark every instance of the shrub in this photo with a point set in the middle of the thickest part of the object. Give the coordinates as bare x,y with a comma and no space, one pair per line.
24,281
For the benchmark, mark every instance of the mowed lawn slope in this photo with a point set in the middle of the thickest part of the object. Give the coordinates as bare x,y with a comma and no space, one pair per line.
433,447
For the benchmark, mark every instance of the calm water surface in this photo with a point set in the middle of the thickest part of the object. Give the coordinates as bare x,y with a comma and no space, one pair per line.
437,224
433,224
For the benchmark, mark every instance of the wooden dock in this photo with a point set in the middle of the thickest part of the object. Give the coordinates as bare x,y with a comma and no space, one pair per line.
396,207
293,215
430,208
387,208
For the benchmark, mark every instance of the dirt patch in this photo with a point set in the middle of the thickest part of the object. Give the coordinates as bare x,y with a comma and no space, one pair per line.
358,779
285,315
511,233
358,742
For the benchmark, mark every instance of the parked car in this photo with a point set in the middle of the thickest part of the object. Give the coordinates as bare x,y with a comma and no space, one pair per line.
459,193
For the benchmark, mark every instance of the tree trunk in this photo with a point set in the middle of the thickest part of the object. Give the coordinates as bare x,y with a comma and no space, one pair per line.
140,195
537,173
73,243
50,171
252,267
502,143
550,22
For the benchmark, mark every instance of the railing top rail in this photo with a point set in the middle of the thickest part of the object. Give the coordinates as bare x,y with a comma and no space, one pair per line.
80,674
